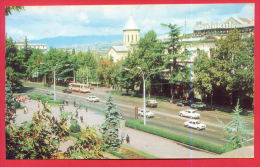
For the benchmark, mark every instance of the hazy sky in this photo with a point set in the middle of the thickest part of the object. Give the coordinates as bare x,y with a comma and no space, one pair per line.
50,21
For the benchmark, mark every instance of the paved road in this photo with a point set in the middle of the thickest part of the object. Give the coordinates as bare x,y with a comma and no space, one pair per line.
166,114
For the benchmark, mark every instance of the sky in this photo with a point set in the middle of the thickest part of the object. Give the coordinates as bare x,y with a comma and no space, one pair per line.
37,22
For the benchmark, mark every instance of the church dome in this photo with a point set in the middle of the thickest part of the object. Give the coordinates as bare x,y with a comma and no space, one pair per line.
131,25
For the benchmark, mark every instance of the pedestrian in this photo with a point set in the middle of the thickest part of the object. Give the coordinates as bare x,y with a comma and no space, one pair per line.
81,119
86,108
67,103
62,107
25,110
74,103
127,139
77,114
122,137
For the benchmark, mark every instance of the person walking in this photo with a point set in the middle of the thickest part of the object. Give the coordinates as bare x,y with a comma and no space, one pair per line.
127,139
86,108
25,110
81,119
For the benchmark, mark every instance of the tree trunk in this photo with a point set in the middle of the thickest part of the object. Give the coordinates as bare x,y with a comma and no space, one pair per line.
211,99
171,90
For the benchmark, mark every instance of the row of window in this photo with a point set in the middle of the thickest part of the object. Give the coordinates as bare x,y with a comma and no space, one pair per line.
131,38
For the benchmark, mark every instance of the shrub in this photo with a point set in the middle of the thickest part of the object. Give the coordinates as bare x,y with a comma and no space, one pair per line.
74,127
137,124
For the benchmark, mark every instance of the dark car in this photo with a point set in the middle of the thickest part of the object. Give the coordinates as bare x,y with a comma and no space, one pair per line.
186,102
67,90
198,105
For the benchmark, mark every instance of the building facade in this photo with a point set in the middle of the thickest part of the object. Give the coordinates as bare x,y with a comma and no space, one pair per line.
21,45
131,36
244,25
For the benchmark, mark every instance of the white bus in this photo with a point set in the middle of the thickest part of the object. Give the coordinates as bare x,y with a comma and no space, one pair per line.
78,87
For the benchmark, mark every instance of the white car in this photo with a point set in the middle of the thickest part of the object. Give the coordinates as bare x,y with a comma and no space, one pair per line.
50,92
194,124
93,99
190,113
148,114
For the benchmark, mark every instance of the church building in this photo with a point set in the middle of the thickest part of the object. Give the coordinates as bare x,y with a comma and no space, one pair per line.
131,36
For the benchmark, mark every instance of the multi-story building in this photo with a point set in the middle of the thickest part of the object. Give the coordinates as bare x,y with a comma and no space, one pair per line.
21,44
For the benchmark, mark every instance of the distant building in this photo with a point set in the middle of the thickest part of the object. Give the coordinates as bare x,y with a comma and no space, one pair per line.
244,25
205,34
131,36
21,45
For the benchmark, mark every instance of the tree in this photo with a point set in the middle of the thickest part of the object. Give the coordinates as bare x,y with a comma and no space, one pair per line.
176,59
205,74
14,65
146,57
110,127
236,130
10,103
233,63
42,137
10,9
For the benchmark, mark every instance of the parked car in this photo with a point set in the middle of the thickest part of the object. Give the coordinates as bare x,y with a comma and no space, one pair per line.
196,124
148,114
151,103
190,113
186,102
67,90
50,92
198,105
93,99
180,104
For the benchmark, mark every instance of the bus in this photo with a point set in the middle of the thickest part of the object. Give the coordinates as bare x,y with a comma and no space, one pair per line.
78,87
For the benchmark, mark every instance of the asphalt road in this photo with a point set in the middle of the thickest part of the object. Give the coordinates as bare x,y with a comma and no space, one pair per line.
166,114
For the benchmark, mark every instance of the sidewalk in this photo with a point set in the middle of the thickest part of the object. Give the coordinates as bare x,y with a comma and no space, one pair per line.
161,147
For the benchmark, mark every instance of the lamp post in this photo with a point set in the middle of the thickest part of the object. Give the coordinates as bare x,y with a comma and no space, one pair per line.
54,78
144,80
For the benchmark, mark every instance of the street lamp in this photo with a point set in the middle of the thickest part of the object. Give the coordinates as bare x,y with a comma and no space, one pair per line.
144,80
54,78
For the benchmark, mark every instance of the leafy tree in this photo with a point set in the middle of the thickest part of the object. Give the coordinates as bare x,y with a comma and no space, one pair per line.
236,130
88,146
110,127
41,137
14,65
176,59
10,9
233,66
10,103
147,57
205,74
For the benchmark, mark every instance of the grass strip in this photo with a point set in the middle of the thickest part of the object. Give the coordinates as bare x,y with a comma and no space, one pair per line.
141,153
138,124
44,98
118,155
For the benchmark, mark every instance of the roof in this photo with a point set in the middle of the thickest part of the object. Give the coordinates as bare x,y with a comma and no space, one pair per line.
120,48
229,23
131,25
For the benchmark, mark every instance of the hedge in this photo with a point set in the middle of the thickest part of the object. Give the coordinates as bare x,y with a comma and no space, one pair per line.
44,98
138,124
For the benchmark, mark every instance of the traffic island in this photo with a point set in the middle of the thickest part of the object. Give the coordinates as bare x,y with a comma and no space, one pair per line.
196,143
